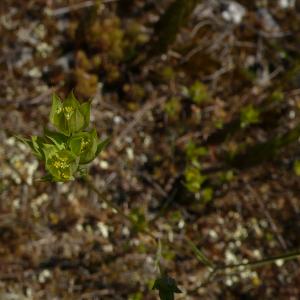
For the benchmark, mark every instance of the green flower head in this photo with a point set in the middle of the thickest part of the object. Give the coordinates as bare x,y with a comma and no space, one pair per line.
68,150
84,145
61,164
69,116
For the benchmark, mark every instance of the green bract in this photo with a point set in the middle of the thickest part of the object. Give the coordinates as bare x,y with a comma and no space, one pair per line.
69,116
36,145
67,150
84,145
61,164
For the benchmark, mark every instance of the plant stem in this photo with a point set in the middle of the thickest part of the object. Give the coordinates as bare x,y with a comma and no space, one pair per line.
112,205
199,254
262,262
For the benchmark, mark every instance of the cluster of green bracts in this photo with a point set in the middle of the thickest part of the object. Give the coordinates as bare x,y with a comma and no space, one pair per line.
68,150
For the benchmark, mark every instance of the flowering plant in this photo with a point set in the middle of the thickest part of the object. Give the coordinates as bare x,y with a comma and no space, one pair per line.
67,150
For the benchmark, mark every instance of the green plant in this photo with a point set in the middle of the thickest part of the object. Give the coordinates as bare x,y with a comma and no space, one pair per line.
249,115
173,107
66,153
194,178
197,92
67,150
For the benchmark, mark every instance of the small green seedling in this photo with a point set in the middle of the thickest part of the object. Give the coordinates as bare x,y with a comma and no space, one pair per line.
249,115
67,150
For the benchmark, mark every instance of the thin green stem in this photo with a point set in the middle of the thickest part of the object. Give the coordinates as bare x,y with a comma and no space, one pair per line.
199,254
215,270
262,262
112,205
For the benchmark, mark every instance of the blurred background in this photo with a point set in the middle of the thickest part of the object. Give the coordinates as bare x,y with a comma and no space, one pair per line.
201,102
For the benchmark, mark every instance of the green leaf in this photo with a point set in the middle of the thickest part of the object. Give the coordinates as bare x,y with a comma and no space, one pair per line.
58,139
76,122
73,115
198,92
173,107
56,110
194,179
76,142
91,153
199,254
102,145
49,150
85,109
57,116
207,194
69,116
84,145
194,152
249,115
167,287
36,145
